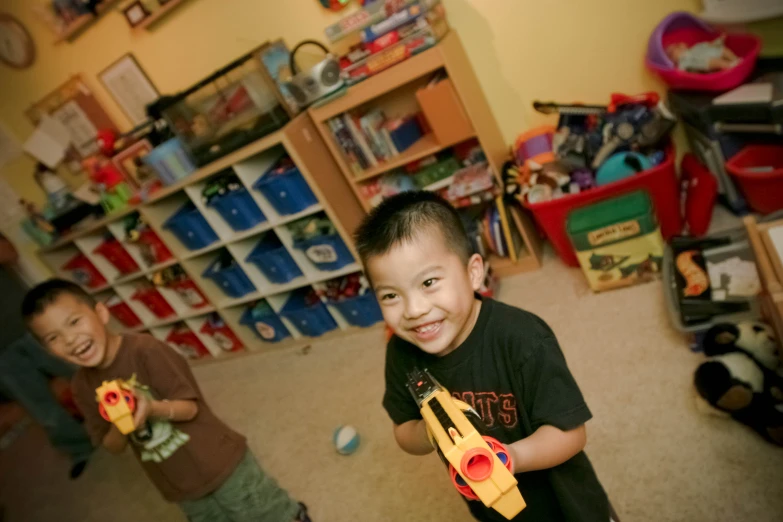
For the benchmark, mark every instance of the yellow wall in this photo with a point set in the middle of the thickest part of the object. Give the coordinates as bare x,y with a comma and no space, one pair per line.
522,50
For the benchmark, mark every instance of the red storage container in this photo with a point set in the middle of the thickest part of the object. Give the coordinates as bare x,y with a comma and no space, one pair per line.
123,313
223,336
115,254
159,250
660,182
84,272
187,343
155,302
189,292
758,170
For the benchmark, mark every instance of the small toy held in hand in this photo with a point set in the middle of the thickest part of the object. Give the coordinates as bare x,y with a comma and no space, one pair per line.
480,467
116,404
704,57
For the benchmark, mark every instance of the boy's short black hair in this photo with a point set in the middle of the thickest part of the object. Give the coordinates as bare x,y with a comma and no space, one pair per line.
400,217
44,294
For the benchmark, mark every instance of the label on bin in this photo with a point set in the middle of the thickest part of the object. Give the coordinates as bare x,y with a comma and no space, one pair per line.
264,330
191,297
321,254
223,341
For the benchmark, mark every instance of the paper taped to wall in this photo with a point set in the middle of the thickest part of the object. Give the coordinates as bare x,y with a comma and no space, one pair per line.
49,143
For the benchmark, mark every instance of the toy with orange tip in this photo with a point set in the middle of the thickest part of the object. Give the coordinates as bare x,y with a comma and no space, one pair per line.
116,404
480,467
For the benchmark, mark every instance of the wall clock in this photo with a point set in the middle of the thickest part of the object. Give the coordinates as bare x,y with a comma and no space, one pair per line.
17,49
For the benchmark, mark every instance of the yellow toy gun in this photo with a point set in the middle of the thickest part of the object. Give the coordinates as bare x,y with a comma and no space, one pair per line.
116,404
480,467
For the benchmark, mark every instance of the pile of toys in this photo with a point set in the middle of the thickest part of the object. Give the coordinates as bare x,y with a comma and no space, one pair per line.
338,290
139,233
460,175
593,145
384,33
305,229
220,185
175,278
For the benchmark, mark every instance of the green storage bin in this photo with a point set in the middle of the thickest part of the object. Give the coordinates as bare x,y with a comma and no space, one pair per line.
617,241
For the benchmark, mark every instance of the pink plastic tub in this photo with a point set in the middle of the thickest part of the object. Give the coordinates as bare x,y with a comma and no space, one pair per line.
686,28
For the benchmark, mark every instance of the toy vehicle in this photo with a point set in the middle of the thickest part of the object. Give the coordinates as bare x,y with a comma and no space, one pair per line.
479,466
116,404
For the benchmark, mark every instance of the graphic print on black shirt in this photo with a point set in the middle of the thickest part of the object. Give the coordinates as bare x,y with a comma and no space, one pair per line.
510,370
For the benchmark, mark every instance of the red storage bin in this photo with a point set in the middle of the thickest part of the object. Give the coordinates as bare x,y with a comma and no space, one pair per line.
115,254
223,336
155,302
660,182
158,248
189,292
123,313
84,272
187,343
758,171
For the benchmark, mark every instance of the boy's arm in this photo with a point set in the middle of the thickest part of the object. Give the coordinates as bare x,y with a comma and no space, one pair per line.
178,410
8,253
546,448
114,441
409,428
553,403
412,437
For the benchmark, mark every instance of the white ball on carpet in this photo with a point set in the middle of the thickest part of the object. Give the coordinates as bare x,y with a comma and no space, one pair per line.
346,440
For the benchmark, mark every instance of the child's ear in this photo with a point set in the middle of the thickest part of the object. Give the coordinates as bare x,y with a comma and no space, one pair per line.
476,271
103,313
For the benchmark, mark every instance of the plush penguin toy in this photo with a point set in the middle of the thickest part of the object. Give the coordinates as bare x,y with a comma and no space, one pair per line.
743,376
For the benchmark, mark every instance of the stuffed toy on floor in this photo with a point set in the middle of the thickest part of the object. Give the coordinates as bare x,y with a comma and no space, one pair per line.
743,376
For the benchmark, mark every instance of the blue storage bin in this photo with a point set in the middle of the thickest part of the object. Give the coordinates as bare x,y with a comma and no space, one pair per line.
288,191
325,252
265,324
170,161
238,209
191,228
362,310
312,320
274,261
231,279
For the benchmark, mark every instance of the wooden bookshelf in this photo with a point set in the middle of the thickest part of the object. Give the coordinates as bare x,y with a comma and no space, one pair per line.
299,139
449,57
157,15
81,23
769,264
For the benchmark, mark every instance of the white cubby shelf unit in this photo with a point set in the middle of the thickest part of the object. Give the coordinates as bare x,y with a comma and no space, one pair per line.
335,201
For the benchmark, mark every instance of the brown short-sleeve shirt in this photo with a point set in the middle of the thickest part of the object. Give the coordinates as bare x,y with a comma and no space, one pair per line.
212,450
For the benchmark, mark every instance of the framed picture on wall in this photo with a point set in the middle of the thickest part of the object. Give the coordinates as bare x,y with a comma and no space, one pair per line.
135,13
130,87
128,162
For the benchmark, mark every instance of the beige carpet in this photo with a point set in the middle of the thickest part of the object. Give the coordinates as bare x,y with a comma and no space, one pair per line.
659,459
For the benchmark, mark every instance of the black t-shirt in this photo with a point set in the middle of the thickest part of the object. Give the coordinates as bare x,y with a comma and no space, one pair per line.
511,371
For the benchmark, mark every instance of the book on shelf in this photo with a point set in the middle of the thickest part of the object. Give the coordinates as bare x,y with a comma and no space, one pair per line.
344,140
360,139
371,124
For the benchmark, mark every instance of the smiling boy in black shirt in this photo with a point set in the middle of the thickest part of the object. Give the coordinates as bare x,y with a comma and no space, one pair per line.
502,361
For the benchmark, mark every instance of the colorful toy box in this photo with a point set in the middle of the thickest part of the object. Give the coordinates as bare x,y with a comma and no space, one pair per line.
618,241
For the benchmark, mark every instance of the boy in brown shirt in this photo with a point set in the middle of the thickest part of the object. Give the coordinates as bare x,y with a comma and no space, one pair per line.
192,457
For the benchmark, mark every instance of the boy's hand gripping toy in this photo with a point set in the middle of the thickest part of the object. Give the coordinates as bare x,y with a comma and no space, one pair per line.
116,404
479,466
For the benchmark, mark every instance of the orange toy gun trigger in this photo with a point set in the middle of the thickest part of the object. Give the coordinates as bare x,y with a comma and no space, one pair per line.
116,404
480,467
